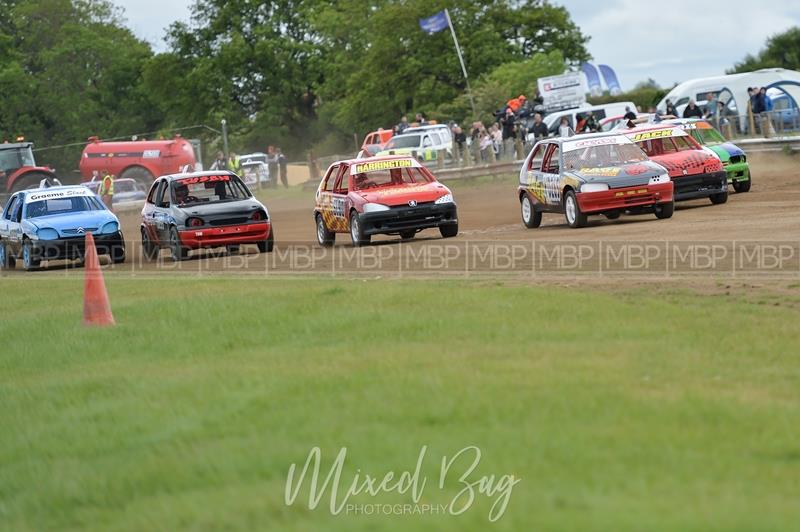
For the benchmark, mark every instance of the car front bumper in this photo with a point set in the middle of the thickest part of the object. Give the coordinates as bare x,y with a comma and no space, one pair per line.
625,198
75,247
405,218
700,185
738,172
229,235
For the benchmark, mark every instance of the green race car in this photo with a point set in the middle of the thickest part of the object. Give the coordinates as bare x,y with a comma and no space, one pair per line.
733,157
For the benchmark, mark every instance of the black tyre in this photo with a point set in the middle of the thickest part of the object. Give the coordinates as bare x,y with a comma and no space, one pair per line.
572,211
269,244
408,235
449,230
7,262
30,180
741,186
612,215
179,252
149,249
29,259
139,174
718,199
664,210
324,237
233,250
531,217
356,231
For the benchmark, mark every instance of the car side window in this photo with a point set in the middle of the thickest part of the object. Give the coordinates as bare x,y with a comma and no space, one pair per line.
151,196
536,160
162,197
330,178
12,204
342,184
551,160
16,214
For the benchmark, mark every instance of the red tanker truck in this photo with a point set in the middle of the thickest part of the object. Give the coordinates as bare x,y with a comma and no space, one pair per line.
142,160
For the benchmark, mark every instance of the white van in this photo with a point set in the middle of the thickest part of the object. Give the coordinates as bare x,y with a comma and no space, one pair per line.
553,120
422,141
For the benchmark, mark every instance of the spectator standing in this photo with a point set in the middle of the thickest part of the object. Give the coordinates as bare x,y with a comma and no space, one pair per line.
591,123
711,107
106,191
629,114
539,128
272,166
283,166
219,163
313,166
402,126
508,122
564,129
460,138
670,110
497,139
692,111
233,163
420,120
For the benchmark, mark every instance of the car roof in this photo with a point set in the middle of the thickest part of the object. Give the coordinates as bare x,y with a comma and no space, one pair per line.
54,189
416,129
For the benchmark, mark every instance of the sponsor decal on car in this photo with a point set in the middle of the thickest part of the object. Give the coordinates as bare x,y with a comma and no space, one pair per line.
203,179
57,194
607,171
647,135
602,141
382,165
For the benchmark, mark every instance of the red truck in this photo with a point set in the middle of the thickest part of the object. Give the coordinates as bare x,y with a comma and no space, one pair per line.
142,160
18,169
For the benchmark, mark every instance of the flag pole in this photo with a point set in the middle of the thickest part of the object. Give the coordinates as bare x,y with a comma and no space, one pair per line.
463,66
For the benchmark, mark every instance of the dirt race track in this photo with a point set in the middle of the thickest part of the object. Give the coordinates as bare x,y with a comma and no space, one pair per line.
755,234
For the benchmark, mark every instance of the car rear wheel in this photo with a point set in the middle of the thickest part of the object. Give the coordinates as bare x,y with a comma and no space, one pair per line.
356,232
408,235
29,260
572,211
741,186
664,210
269,244
149,249
7,262
718,199
449,230
530,216
179,252
324,237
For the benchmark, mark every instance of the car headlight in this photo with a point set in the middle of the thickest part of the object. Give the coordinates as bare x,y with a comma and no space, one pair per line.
447,198
110,227
375,207
594,187
657,180
47,234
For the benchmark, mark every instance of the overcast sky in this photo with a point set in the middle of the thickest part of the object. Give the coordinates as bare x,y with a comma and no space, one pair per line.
640,39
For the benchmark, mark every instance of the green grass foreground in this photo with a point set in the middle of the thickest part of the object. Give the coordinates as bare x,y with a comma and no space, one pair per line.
618,412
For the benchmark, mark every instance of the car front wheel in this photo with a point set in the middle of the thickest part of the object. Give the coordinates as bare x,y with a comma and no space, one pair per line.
356,232
741,186
269,244
179,252
664,210
719,199
572,211
29,260
7,262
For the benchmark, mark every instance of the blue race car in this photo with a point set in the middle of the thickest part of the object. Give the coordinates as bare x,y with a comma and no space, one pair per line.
51,224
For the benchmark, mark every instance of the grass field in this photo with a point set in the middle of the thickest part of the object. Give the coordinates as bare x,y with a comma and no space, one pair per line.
626,411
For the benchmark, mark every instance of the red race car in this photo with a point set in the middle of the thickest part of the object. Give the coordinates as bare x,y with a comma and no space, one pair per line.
382,195
695,171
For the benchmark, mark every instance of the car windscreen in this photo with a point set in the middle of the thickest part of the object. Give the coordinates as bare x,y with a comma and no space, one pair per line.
708,136
403,141
393,177
51,207
666,145
208,189
603,156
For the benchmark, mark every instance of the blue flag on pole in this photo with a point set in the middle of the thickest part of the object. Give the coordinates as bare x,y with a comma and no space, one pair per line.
611,80
435,23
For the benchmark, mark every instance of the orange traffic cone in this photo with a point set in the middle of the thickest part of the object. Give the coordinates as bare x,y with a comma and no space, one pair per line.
96,309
